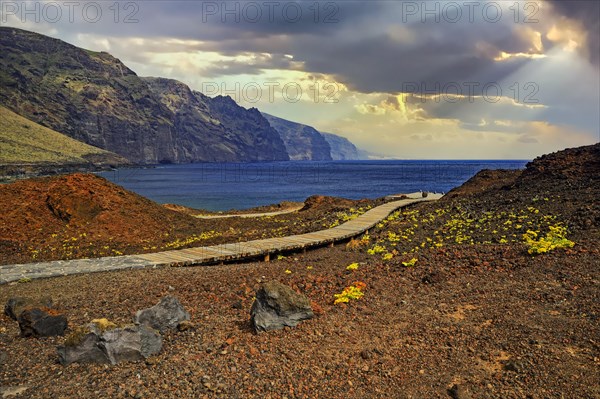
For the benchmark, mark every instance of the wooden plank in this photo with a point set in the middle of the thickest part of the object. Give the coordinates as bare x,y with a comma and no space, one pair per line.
155,257
178,256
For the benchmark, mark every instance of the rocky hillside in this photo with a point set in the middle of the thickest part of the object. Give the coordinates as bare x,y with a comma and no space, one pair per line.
261,137
565,183
91,97
229,132
303,143
94,98
341,148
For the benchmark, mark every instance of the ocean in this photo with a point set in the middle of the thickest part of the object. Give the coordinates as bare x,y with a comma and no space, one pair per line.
224,186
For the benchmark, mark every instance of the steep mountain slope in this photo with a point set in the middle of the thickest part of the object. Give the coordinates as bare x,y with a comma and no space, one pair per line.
94,98
302,142
25,142
239,120
342,149
91,97
230,132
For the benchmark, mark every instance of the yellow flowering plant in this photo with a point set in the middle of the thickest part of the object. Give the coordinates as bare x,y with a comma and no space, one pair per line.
353,291
554,239
352,266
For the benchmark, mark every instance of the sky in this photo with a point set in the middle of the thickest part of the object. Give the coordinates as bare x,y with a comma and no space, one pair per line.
402,79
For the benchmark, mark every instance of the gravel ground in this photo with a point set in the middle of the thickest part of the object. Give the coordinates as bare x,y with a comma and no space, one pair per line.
493,320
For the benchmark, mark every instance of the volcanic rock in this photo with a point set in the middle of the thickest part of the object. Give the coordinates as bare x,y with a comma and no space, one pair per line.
105,343
165,315
278,306
14,306
42,322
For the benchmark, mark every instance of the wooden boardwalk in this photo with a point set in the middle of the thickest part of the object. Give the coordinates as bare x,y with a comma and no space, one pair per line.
210,255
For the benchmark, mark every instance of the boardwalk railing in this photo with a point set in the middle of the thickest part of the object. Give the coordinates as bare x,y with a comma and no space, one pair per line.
209,255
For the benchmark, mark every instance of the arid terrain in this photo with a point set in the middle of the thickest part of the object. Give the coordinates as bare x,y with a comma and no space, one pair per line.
83,215
454,305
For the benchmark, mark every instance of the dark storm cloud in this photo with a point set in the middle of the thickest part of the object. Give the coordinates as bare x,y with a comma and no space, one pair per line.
223,20
383,65
369,46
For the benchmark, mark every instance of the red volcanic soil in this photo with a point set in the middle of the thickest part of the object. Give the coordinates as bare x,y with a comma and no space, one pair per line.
77,214
77,202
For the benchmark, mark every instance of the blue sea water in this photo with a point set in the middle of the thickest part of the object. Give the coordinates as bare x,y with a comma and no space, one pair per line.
224,186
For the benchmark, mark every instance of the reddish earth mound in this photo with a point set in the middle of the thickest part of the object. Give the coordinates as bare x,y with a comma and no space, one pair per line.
81,209
485,180
323,202
49,205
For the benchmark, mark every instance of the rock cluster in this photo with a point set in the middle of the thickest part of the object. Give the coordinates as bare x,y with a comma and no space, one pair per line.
104,342
100,341
278,306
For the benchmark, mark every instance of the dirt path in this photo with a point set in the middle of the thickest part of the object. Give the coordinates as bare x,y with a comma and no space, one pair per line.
249,215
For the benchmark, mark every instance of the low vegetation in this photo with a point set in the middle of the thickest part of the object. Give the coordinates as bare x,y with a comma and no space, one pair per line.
24,141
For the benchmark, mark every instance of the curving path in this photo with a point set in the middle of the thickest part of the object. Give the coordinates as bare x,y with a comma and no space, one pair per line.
249,215
209,255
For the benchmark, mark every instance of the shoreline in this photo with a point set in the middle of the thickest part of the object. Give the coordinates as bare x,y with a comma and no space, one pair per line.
222,187
10,173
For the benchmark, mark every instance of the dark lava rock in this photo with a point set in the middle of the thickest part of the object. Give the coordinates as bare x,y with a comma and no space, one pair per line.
516,366
130,343
166,315
277,306
16,305
459,392
42,322
431,278
110,345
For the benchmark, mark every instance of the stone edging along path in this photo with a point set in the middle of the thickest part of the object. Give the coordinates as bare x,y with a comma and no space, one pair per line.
209,255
